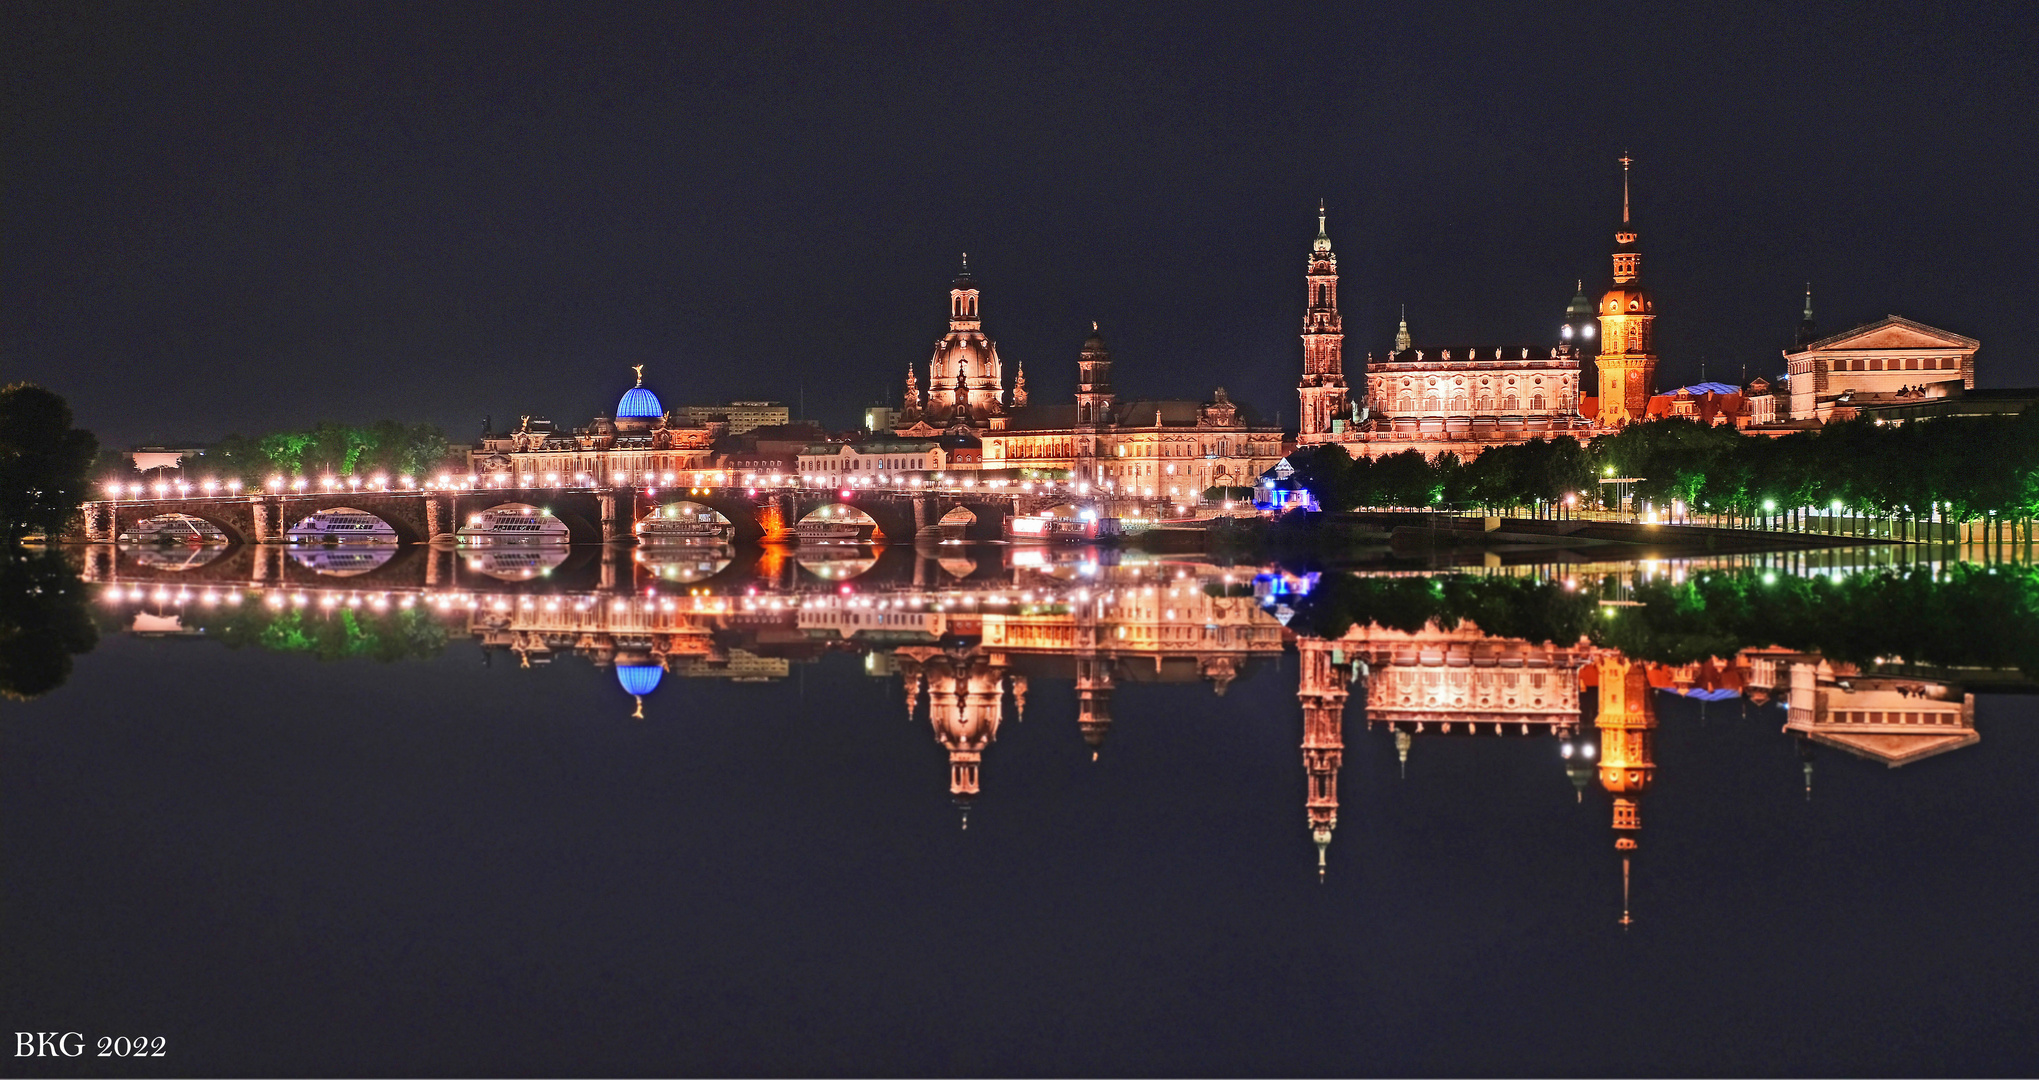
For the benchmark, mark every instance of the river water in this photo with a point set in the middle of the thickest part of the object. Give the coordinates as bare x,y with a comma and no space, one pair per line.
999,810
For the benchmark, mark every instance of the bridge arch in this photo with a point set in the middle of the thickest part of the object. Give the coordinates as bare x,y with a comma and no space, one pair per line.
838,515
234,527
891,516
172,526
684,521
553,524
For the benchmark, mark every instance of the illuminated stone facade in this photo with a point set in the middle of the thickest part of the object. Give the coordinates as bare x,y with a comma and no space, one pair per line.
1885,362
1628,349
1434,401
639,445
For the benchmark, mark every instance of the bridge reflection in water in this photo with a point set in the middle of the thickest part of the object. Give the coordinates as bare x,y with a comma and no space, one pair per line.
970,632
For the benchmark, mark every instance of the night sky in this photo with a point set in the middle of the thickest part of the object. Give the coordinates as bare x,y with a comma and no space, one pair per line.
239,217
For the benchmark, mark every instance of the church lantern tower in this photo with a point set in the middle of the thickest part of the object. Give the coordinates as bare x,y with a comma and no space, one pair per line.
964,379
1323,389
1628,351
1320,687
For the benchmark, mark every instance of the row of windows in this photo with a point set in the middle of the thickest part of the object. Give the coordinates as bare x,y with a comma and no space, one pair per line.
1930,363
1510,403
867,464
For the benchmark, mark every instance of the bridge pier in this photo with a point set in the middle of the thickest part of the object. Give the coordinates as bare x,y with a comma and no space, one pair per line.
439,519
99,523
268,517
269,565
789,516
612,527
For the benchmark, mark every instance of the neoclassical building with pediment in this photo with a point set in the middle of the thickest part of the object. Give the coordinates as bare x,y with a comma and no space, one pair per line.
1887,362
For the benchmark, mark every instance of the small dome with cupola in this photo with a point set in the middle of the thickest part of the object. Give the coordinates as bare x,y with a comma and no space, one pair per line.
638,407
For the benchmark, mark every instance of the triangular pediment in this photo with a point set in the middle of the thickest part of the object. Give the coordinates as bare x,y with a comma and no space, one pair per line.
1894,749
1893,332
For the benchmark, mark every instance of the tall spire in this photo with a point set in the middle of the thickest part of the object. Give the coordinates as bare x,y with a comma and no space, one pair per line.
1626,159
1808,330
1323,241
1403,343
1626,921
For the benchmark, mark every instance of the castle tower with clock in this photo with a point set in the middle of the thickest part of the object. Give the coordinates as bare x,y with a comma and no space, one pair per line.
1628,353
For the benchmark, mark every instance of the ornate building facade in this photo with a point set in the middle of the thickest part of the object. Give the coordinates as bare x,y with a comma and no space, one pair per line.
1133,448
639,445
1464,400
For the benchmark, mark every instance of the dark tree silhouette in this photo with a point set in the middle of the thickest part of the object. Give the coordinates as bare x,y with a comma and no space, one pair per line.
45,463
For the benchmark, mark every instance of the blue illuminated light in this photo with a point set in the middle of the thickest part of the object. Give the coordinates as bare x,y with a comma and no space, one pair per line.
639,679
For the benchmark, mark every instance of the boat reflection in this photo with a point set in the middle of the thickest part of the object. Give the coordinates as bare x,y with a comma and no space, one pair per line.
515,563
343,561
684,564
1592,655
173,557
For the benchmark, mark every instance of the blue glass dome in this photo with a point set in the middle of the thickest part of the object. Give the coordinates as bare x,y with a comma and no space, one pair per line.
639,404
639,679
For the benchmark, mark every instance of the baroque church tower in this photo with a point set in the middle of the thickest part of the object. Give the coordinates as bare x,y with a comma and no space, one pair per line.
1323,387
964,379
1628,351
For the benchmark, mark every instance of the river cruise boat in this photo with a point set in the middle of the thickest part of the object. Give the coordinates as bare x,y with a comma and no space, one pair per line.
173,529
684,530
507,526
341,527
835,531
1054,530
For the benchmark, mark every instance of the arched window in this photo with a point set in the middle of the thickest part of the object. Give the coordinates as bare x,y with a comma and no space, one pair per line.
1430,404
973,307
1406,405
1536,402
1458,403
1508,404
1486,403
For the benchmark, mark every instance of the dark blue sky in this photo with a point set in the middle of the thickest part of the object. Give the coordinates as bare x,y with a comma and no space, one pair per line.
235,217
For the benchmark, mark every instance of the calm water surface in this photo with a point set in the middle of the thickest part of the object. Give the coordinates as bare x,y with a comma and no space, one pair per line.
1006,811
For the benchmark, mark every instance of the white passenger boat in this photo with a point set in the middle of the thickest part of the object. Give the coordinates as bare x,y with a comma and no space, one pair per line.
514,526
173,529
685,530
342,527
827,531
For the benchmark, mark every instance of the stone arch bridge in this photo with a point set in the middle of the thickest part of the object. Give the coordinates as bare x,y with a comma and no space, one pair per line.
591,516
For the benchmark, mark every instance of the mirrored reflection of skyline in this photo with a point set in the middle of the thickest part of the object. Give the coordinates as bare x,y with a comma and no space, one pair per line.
968,636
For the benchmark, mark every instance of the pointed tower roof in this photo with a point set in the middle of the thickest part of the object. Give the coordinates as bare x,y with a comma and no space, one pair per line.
1808,330
1403,342
1323,241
